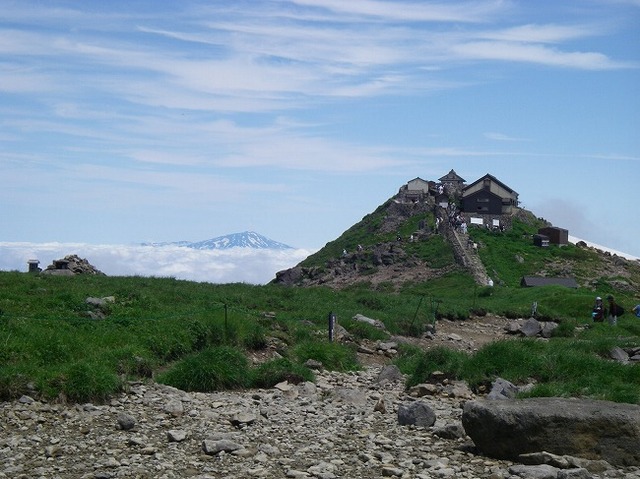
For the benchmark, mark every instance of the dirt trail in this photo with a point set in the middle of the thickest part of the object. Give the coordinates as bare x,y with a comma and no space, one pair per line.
469,336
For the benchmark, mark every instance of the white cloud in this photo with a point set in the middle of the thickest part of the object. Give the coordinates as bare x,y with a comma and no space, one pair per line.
244,265
409,11
540,33
535,53
502,137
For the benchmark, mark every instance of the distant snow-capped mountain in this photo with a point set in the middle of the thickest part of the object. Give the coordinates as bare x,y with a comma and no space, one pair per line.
246,239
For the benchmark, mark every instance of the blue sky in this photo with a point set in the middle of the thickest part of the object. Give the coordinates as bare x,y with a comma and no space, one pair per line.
124,122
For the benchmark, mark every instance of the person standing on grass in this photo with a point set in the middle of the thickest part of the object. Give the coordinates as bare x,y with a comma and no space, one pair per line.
614,310
598,311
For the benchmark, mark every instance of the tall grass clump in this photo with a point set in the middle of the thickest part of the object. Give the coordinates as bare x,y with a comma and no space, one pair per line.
514,360
85,381
440,358
333,356
212,369
361,330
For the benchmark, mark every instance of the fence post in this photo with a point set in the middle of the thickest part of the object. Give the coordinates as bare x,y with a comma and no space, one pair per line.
332,325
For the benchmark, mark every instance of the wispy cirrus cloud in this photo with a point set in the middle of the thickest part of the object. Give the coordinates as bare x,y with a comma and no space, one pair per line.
536,53
471,12
492,135
275,57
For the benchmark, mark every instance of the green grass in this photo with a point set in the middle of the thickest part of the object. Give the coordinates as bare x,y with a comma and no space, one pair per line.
170,330
333,356
576,367
212,369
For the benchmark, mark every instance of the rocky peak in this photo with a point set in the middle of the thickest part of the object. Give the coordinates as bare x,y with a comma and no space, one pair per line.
71,265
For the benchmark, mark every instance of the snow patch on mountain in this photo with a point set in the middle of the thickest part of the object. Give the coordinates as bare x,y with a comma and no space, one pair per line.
574,240
246,239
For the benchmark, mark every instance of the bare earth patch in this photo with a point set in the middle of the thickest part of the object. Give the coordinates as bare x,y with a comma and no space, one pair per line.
469,336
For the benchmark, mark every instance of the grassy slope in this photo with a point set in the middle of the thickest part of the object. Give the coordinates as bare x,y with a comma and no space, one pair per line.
49,347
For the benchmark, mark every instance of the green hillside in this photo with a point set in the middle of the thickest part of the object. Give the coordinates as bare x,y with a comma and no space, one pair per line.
392,266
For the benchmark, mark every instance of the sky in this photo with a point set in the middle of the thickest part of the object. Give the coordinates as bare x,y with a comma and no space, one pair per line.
130,122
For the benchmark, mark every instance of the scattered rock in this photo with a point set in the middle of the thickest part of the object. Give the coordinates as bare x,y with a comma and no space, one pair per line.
126,421
176,435
372,322
417,413
328,431
390,374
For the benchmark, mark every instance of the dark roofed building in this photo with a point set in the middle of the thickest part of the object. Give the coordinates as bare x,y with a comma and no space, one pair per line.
488,195
533,281
559,236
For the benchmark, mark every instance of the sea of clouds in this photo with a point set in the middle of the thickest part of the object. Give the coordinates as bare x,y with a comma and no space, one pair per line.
235,265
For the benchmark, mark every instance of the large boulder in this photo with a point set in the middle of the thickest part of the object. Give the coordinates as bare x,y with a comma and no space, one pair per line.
578,427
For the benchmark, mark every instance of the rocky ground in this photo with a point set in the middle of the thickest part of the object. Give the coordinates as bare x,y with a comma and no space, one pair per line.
343,426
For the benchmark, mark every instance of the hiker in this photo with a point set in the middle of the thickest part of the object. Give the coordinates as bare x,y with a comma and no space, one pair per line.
598,311
636,310
614,310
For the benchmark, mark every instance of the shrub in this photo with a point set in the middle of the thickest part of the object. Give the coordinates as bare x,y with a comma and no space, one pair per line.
212,369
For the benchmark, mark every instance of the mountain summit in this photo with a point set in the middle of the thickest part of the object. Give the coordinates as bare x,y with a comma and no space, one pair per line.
430,230
246,239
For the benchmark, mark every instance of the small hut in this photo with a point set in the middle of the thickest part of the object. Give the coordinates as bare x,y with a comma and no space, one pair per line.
559,236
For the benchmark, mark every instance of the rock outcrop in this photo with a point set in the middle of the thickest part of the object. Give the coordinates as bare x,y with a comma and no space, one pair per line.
71,265
580,427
